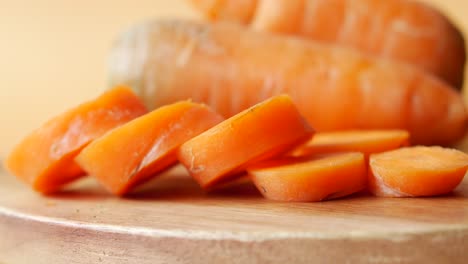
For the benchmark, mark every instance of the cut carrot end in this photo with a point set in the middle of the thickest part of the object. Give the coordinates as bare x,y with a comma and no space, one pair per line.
416,171
263,131
131,154
365,141
44,159
310,179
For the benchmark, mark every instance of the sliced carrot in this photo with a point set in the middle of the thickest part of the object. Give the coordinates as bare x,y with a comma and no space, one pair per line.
44,159
263,131
131,154
365,141
299,180
416,171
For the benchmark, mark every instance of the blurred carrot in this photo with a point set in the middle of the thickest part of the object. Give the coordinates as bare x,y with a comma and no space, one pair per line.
261,132
237,10
403,30
416,171
133,153
299,180
231,68
365,141
44,159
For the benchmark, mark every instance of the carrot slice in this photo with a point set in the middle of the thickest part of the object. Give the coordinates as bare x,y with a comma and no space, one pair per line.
130,155
365,141
265,130
302,180
44,159
416,171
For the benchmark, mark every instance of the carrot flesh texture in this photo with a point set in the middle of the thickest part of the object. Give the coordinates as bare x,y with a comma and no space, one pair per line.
44,158
261,132
402,30
355,91
365,141
416,171
133,153
299,180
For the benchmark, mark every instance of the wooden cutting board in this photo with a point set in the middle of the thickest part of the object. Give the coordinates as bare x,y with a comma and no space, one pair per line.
172,221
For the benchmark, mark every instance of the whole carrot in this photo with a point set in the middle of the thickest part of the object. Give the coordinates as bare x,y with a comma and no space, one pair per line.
231,69
403,30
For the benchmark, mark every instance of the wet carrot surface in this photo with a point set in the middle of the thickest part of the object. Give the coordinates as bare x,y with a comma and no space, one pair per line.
310,179
135,152
261,132
44,159
365,141
416,171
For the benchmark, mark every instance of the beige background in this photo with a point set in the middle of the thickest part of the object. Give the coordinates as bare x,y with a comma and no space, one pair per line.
53,52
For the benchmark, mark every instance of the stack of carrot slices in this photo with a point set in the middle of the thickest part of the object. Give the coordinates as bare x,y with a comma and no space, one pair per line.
45,158
116,140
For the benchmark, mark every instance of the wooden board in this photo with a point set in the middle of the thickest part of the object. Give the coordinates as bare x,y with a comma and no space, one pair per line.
172,221
176,222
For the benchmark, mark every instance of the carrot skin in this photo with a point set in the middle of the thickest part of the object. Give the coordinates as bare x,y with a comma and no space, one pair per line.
239,10
231,68
402,30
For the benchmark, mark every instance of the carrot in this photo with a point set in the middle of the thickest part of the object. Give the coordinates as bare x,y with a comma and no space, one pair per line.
299,180
365,141
44,159
416,171
238,10
403,30
261,132
231,69
133,153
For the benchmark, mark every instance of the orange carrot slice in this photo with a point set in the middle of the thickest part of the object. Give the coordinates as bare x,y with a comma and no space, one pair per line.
260,132
299,180
416,171
44,159
365,141
130,155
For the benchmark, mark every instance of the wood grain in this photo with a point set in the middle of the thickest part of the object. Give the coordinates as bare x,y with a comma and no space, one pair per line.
172,221
54,55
